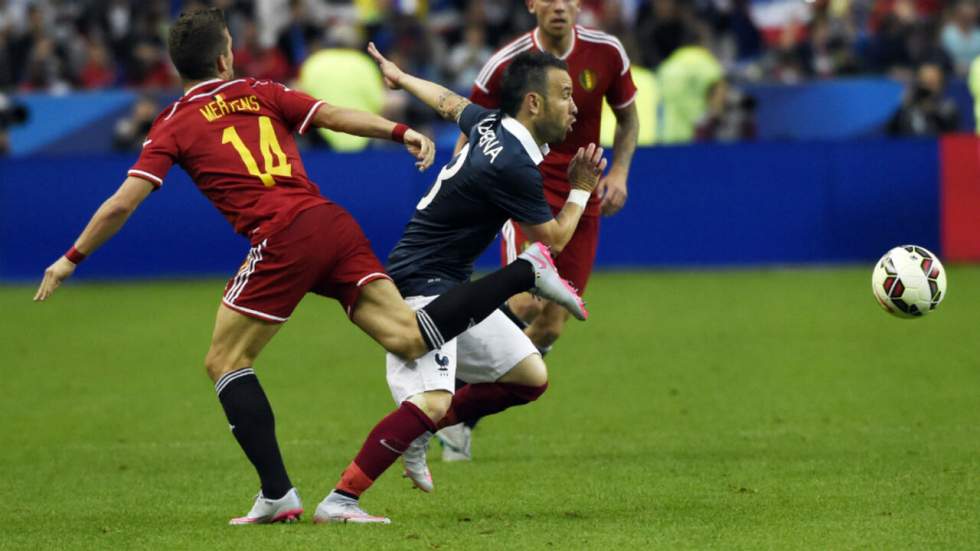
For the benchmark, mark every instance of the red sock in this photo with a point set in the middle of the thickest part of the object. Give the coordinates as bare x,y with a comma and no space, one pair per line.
387,442
472,402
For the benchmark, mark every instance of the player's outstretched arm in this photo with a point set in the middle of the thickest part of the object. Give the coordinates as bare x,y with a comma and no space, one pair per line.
369,125
583,174
447,103
106,221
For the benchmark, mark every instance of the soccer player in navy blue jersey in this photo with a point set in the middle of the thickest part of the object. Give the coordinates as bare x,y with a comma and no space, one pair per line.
492,179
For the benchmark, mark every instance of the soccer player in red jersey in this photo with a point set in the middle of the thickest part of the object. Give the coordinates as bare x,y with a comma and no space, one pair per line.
233,137
599,68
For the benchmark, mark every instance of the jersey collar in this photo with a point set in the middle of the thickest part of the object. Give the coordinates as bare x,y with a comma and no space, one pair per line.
200,85
536,38
523,135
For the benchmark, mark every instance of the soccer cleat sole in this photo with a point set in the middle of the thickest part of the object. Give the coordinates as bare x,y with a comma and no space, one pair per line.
351,520
286,517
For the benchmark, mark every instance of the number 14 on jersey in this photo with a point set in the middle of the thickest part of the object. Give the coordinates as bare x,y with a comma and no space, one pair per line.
273,157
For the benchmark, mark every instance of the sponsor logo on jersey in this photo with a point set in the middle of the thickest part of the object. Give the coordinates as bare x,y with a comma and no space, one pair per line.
587,80
219,107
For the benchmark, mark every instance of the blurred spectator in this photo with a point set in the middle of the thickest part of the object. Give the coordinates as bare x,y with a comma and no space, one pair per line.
466,59
662,28
131,130
150,68
58,45
11,114
254,60
788,60
43,69
686,78
647,100
924,111
961,35
730,116
97,71
344,75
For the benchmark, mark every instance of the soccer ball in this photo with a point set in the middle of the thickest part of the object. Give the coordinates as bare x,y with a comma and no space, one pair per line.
909,281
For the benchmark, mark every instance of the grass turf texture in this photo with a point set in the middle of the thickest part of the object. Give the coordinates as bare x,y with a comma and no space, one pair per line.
744,409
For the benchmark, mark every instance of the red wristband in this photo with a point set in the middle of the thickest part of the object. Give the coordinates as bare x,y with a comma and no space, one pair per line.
398,133
74,255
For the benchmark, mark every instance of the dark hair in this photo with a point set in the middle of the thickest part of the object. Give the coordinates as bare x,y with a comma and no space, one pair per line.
527,73
197,38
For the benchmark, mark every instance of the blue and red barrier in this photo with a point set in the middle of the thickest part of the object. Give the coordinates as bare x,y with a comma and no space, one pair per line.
960,194
703,205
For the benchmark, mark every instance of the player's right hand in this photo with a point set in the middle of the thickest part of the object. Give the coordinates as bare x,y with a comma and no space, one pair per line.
56,273
391,73
586,167
421,148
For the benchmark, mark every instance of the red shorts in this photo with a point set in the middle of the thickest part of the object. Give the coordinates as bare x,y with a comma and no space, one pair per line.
322,251
575,260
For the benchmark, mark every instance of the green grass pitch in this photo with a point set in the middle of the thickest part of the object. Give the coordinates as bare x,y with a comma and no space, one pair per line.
719,409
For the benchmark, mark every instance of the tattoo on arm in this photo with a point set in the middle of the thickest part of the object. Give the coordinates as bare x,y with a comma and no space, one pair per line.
451,105
627,132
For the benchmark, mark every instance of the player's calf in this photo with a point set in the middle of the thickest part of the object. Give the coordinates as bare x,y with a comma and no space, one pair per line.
382,313
547,327
526,307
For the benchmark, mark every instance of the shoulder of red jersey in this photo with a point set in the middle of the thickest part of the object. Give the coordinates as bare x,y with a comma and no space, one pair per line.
501,58
606,40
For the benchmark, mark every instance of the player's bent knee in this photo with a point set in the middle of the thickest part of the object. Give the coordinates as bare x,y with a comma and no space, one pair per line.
434,403
408,344
528,393
531,371
218,363
215,365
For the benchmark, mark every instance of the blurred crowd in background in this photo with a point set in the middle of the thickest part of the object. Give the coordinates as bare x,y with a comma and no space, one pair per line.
58,46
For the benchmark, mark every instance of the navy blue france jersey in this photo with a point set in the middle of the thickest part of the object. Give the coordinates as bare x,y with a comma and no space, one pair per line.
494,178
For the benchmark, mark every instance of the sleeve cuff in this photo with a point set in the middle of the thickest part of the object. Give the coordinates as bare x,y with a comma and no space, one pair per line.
625,103
309,117
155,180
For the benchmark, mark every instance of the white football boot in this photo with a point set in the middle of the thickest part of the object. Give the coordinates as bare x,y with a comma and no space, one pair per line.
549,284
416,466
342,509
455,441
288,508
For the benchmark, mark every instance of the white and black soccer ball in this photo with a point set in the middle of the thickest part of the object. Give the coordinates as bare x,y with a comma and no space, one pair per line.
909,281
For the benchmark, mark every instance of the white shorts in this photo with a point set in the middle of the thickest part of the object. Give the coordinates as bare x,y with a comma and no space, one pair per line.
482,354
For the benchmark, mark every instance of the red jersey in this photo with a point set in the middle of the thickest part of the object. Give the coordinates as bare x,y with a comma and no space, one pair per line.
234,139
599,67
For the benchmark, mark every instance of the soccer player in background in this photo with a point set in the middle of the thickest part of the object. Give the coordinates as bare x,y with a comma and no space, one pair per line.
492,179
599,68
234,138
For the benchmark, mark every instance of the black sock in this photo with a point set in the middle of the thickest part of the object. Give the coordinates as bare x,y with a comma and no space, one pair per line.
469,303
254,426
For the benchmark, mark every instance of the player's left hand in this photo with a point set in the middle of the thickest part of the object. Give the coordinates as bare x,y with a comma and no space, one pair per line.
612,191
391,73
56,273
421,148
